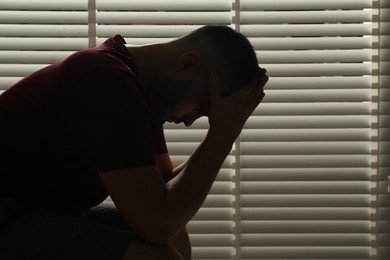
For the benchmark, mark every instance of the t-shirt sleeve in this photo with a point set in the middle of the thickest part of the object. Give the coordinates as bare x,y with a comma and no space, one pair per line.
108,117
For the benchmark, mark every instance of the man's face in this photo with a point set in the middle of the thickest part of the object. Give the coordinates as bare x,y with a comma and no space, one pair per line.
180,101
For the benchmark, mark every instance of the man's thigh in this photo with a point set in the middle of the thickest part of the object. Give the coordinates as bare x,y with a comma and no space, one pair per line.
107,214
41,234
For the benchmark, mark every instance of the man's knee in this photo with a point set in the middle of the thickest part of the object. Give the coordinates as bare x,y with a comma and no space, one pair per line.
138,250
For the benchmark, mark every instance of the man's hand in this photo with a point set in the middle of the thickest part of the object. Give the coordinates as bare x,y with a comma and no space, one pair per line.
228,115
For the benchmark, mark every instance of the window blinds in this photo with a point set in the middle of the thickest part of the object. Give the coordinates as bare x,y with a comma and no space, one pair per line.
144,22
303,180
305,167
34,34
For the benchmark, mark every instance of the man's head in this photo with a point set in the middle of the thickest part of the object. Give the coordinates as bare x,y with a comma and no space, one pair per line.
179,92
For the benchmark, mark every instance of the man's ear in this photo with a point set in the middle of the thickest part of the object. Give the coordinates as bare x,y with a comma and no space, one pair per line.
188,61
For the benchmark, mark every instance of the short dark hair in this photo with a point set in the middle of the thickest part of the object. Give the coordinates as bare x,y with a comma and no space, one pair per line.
234,54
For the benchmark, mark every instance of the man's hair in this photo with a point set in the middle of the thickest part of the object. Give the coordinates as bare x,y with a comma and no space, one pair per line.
233,53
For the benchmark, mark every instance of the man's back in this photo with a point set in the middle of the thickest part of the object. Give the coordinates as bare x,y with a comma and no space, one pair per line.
42,161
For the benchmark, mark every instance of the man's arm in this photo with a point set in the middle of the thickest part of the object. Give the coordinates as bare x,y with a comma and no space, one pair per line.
166,168
157,211
164,165
181,241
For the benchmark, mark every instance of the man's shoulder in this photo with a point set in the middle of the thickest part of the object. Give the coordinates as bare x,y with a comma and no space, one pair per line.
110,54
89,60
97,68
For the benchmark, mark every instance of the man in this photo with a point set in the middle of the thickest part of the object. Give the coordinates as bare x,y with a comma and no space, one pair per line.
90,126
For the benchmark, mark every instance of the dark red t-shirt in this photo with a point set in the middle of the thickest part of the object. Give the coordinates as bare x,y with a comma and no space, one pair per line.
63,124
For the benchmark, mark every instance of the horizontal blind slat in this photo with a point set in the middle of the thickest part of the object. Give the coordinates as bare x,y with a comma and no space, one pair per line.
19,70
305,161
35,43
221,253
43,17
305,148
316,56
299,200
333,95
218,240
316,108
303,4
38,30
44,5
306,174
163,5
305,187
210,227
328,16
323,82
306,30
314,213
306,240
168,18
305,42
306,226
335,252
211,214
304,122
170,31
323,69
33,57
